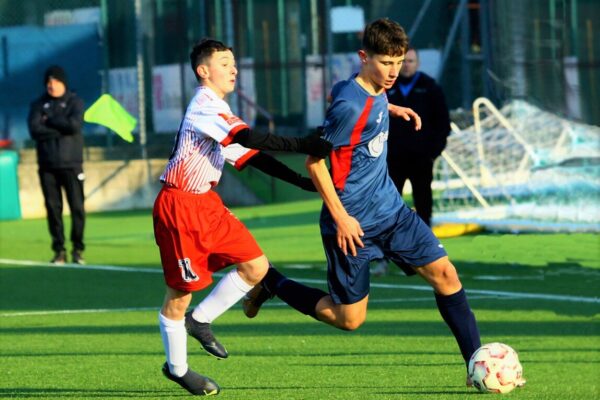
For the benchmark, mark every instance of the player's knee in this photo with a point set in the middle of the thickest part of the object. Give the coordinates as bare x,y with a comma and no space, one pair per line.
448,273
444,278
351,323
253,271
441,273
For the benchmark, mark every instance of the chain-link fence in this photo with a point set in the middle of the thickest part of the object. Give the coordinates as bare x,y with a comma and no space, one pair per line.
282,50
35,35
290,52
548,52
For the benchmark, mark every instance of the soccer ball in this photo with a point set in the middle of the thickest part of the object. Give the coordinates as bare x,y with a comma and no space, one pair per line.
495,368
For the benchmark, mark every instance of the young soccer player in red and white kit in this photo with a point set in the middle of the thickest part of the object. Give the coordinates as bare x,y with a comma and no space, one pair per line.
196,234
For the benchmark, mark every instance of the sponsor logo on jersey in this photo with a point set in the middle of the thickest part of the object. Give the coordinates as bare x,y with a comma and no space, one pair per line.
231,119
376,144
380,117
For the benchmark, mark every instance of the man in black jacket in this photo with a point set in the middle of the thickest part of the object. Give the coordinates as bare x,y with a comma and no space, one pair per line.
411,154
55,122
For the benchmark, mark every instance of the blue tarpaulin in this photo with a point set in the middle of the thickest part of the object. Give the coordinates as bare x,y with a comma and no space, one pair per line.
26,52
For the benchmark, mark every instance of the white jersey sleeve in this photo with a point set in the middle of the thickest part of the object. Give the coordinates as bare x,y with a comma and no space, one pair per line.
237,155
213,117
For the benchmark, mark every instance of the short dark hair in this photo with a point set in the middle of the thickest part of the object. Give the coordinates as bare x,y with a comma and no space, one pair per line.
386,37
203,50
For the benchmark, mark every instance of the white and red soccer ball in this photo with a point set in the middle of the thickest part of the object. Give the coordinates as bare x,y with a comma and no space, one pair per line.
495,368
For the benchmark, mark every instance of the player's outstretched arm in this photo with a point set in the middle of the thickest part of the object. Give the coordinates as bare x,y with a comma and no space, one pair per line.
271,166
349,232
311,144
405,113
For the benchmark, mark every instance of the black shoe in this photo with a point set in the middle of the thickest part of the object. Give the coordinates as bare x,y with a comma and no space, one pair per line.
60,257
201,332
77,257
254,299
193,382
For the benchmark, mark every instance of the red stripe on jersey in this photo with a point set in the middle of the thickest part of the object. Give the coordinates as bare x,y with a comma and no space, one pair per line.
241,162
341,158
229,138
231,119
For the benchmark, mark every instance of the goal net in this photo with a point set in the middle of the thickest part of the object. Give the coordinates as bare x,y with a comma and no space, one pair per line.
520,168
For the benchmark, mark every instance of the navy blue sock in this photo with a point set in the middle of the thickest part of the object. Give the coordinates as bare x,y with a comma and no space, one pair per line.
301,297
458,315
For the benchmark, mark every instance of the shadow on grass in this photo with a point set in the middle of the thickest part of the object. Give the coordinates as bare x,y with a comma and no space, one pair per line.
402,327
313,356
373,390
24,393
58,288
305,218
81,288
436,390
31,393
272,221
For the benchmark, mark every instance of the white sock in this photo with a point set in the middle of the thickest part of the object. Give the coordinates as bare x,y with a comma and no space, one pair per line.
174,337
230,289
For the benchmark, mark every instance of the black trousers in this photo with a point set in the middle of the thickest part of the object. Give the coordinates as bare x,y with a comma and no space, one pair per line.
420,174
53,181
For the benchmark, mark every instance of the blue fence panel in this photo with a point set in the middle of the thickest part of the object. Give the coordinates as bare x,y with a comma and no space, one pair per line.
26,52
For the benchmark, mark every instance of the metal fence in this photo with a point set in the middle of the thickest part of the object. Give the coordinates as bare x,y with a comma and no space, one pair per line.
290,52
548,53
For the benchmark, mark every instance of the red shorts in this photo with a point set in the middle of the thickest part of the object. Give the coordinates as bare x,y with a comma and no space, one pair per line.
197,235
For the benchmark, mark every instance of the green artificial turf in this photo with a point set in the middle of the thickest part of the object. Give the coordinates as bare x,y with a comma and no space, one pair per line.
91,332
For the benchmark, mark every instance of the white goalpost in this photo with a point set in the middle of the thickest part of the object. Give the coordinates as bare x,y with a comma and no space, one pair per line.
520,168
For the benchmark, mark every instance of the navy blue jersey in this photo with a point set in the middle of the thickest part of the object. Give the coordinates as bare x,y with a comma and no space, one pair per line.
357,125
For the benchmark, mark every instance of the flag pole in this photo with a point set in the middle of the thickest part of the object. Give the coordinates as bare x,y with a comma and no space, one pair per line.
141,88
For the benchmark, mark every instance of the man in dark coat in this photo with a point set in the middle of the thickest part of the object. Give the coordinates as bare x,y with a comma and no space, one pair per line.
411,154
55,123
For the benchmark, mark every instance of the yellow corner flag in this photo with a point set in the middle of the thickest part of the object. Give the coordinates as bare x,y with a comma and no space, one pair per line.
108,112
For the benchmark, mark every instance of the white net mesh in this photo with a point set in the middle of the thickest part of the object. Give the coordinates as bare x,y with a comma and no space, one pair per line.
520,168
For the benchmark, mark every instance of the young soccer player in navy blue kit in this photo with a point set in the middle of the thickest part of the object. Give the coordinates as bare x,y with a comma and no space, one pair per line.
364,217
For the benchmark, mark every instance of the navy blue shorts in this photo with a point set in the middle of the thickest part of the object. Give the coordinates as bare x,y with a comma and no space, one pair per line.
404,239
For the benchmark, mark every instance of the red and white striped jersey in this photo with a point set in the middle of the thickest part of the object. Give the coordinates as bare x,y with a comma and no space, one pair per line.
203,144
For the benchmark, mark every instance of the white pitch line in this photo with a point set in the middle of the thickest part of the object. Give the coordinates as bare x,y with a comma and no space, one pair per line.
540,296
156,308
28,263
83,311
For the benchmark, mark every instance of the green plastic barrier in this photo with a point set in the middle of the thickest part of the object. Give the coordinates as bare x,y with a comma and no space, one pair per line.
10,207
